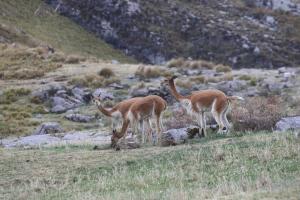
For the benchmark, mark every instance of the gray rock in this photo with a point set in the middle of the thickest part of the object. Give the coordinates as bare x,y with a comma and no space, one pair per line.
48,128
178,136
139,92
270,20
232,86
103,94
32,141
79,118
61,105
288,123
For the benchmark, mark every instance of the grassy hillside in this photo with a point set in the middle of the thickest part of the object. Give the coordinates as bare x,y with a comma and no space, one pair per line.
46,26
251,166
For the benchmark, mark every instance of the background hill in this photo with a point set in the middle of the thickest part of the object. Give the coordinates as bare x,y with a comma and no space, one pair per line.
239,33
33,23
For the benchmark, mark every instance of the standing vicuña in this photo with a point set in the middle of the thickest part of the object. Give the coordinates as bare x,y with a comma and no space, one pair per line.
200,102
150,107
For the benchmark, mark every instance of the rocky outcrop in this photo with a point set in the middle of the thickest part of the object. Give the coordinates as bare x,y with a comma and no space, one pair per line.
216,30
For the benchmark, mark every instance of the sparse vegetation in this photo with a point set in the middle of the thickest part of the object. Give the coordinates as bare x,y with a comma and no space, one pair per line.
94,81
22,63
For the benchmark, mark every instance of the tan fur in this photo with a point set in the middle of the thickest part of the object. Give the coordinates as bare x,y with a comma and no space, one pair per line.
118,112
150,107
200,102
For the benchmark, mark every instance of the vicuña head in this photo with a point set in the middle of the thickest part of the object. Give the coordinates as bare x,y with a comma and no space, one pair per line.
199,102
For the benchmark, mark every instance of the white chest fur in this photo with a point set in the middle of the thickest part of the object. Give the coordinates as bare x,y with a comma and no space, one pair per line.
187,105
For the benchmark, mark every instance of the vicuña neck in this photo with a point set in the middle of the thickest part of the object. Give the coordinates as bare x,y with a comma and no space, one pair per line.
174,91
105,111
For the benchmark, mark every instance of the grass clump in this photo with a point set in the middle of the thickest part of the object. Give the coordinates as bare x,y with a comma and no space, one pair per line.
223,68
106,72
184,84
176,63
198,79
257,113
74,59
146,72
12,95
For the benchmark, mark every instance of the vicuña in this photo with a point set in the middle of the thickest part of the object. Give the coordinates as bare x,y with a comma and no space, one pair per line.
117,112
142,110
202,101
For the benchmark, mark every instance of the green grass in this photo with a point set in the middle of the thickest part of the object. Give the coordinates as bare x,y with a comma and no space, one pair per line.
55,30
251,166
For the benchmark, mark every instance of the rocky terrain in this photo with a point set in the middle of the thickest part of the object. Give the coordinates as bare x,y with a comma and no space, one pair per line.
240,33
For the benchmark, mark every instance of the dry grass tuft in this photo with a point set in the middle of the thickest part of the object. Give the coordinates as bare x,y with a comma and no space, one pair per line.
106,72
184,84
146,72
257,113
74,59
198,79
223,68
177,62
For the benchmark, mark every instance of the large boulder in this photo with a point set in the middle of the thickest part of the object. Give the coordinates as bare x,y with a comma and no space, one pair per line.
48,128
288,123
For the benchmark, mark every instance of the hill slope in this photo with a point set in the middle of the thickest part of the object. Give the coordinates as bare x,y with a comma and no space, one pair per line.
33,22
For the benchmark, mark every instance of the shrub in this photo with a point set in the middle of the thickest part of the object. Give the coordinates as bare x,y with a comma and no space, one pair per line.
106,72
257,113
227,77
223,68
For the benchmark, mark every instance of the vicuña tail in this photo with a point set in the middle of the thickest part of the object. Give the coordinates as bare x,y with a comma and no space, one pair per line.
232,98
